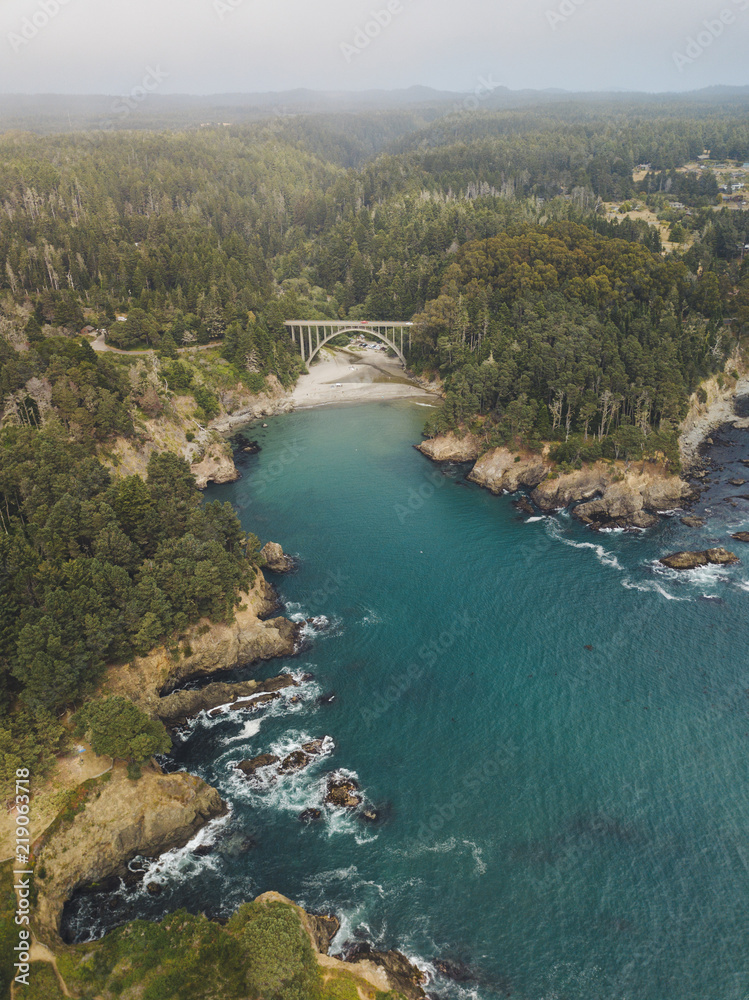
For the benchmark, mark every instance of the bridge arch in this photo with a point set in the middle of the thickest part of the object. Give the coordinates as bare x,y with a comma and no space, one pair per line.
313,335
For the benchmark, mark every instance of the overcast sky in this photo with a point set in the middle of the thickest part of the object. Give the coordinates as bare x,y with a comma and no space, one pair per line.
214,46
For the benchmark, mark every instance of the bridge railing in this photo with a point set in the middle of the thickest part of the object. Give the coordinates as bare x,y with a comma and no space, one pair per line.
311,335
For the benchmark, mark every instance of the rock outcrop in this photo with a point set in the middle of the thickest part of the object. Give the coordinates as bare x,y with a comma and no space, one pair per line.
503,471
614,497
343,792
383,971
452,448
404,977
121,819
693,560
604,495
275,558
741,536
693,522
206,648
176,708
250,767
217,466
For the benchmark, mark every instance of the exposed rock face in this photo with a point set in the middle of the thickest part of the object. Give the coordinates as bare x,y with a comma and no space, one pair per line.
179,706
451,448
121,819
216,467
297,760
405,978
208,648
568,488
609,497
499,471
381,971
693,560
694,522
741,536
275,559
249,767
343,792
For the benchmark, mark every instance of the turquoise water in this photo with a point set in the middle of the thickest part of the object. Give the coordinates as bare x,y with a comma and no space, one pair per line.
558,821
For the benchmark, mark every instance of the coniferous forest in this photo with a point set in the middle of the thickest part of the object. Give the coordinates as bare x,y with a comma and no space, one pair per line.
570,278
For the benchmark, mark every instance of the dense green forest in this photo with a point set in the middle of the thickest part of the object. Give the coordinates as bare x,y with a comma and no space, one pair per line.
548,316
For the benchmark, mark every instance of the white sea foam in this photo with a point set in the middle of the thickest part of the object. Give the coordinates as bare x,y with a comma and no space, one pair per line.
605,557
651,586
182,862
477,853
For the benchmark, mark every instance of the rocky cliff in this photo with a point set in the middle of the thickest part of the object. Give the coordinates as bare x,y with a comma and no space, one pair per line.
713,405
503,471
385,971
119,819
452,448
604,494
612,495
206,648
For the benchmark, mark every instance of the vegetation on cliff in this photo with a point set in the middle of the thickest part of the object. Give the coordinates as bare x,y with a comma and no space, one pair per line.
558,333
263,952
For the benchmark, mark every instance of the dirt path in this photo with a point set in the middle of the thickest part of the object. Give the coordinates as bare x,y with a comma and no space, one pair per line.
102,346
40,953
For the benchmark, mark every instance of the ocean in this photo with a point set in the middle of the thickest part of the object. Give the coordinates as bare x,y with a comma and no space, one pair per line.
551,727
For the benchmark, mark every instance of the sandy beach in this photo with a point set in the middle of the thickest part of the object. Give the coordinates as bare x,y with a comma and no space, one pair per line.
355,377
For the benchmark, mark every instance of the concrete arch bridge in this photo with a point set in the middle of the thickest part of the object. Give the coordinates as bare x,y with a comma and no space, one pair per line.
312,335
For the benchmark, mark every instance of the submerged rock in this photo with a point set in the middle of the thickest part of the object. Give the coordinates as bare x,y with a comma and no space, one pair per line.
275,559
310,815
693,560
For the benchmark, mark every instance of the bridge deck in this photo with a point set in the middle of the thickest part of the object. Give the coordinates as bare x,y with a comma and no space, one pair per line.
313,334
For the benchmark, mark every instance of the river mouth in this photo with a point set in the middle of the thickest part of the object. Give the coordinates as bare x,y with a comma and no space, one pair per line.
552,726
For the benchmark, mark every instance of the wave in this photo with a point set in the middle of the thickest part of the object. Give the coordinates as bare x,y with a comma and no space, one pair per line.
605,557
292,701
477,853
650,586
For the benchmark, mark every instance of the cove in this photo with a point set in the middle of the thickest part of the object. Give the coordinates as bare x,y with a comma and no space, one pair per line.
555,821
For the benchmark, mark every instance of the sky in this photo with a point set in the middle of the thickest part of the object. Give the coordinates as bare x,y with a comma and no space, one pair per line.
218,46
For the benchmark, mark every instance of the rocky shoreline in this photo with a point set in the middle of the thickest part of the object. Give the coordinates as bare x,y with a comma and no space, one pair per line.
601,495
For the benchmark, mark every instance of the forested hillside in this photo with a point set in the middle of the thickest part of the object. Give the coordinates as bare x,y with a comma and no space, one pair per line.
546,305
